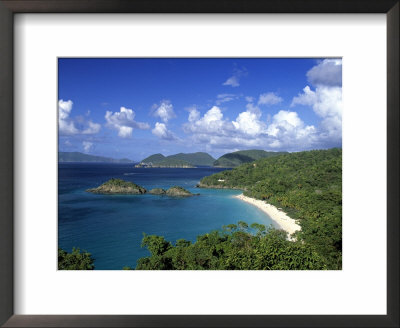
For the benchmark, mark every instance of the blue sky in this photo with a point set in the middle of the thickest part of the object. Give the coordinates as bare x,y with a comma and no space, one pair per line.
130,107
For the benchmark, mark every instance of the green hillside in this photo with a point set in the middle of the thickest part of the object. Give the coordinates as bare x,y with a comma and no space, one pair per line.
307,185
153,159
199,158
243,156
80,157
192,159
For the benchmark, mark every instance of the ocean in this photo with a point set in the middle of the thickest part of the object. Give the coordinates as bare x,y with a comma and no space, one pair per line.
111,227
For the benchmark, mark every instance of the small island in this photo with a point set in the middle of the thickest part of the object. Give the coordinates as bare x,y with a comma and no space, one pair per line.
177,191
118,186
121,187
157,191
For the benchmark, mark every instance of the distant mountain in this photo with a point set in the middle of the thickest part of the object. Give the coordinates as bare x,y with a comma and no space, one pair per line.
243,156
81,157
188,160
202,159
156,158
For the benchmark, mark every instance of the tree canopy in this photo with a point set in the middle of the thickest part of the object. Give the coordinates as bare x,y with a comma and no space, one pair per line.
237,247
307,185
76,260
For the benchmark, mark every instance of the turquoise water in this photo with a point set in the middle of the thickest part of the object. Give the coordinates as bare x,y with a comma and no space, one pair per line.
111,227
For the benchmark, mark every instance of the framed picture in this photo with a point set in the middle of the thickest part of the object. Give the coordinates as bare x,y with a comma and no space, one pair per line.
231,121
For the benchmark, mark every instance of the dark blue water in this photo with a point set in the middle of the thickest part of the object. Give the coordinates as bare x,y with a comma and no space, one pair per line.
111,227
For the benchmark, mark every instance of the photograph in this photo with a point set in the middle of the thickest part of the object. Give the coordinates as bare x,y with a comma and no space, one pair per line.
199,163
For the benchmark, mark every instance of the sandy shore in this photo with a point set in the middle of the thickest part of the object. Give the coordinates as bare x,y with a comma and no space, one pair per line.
281,219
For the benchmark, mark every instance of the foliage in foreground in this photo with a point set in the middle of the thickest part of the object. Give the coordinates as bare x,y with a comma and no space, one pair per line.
75,260
307,185
238,247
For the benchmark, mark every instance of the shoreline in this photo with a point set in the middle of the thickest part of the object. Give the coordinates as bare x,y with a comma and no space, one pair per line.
279,217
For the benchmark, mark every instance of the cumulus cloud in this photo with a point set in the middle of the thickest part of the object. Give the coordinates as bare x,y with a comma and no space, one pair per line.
282,130
165,111
194,114
328,73
160,130
87,146
212,122
269,98
248,123
234,80
325,100
67,126
124,122
286,131
327,103
92,128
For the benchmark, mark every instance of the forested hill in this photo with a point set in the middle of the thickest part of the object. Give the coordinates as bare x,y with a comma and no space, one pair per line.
196,159
81,157
243,156
155,158
199,158
307,185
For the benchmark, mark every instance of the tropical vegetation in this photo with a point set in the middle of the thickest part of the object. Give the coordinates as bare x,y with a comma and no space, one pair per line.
243,156
307,185
237,247
76,260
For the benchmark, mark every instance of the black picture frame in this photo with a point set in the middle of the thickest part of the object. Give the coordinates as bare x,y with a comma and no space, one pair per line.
10,7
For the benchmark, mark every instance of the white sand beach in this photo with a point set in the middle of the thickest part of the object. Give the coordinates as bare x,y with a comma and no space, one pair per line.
279,217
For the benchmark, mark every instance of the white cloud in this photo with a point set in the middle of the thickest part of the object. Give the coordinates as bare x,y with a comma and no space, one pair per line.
67,126
289,130
225,97
328,73
212,122
92,128
286,131
327,103
87,146
64,108
160,130
249,123
124,122
125,131
165,111
269,98
233,81
194,115
282,130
